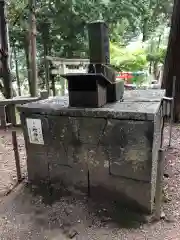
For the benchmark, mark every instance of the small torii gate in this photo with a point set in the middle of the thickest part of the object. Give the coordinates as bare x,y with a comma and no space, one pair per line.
64,65
60,66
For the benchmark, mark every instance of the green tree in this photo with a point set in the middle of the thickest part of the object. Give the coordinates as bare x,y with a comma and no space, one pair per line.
65,33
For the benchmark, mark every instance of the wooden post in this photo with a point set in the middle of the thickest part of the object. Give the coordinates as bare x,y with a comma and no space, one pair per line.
16,154
159,184
172,110
3,116
13,114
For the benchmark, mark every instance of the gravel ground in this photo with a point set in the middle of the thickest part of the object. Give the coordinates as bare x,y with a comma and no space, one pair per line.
7,162
28,213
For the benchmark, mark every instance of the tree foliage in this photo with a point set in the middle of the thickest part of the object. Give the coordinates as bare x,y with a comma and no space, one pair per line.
128,60
61,28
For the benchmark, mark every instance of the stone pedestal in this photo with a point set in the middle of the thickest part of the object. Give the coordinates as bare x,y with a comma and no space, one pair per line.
116,146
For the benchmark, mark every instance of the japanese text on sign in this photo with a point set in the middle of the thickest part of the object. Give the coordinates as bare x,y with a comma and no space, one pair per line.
35,131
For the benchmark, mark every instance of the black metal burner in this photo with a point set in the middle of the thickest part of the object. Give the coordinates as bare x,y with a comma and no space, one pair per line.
99,85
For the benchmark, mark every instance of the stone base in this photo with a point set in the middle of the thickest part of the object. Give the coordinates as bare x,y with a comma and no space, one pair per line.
107,152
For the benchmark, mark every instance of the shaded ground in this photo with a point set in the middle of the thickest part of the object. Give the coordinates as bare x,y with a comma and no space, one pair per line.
7,161
30,214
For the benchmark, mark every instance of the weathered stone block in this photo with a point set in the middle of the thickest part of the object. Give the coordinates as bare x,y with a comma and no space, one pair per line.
114,149
107,185
137,134
68,164
59,129
130,162
37,161
88,130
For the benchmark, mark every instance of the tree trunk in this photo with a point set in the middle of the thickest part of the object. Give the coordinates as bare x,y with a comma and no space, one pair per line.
27,55
2,89
62,81
11,59
159,42
53,85
14,93
17,72
145,29
155,70
172,60
32,37
46,41
150,67
4,48
6,74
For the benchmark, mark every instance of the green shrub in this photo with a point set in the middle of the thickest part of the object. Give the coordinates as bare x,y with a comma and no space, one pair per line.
126,60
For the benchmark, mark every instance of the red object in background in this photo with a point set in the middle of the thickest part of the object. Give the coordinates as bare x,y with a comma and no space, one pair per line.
125,75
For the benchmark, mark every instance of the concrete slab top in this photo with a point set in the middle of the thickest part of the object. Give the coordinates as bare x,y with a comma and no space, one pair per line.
137,105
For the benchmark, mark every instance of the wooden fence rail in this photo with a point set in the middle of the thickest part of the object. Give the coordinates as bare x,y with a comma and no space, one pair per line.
11,103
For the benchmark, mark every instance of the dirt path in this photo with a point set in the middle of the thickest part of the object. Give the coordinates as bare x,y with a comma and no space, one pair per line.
26,215
7,162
